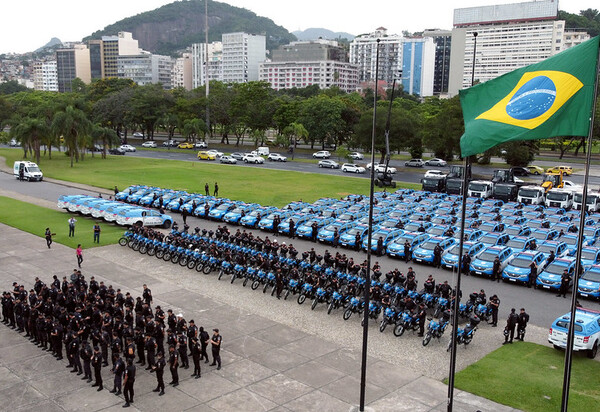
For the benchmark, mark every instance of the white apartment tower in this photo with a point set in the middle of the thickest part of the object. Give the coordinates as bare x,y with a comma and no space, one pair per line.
146,69
215,63
181,74
509,36
242,54
363,52
45,76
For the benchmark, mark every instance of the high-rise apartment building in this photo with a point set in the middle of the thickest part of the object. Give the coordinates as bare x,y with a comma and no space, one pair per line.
96,59
442,40
307,63
363,52
181,74
104,53
72,63
215,63
509,36
45,76
242,54
146,69
418,64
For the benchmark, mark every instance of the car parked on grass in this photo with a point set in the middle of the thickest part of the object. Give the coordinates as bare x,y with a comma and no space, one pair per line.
204,155
321,154
228,159
414,163
352,168
276,157
436,162
150,144
253,158
332,164
586,331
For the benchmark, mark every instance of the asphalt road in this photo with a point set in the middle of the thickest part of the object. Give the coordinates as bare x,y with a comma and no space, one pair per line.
404,174
542,306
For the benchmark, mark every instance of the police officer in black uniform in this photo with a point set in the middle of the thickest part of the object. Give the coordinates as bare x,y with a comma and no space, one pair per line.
97,364
511,323
204,341
494,305
565,281
159,368
119,368
216,348
496,269
196,351
182,344
173,365
128,383
522,324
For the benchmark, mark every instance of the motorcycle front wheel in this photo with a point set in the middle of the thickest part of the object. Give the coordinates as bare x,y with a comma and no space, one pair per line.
301,299
347,314
123,241
206,269
255,285
314,304
427,339
382,325
399,330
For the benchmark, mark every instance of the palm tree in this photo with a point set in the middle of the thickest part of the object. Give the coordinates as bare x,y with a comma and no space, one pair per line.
106,135
73,125
30,131
193,128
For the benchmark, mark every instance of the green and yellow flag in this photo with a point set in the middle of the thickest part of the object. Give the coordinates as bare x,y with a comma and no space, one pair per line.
547,99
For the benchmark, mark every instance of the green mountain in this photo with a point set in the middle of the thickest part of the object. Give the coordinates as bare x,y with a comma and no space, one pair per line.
177,25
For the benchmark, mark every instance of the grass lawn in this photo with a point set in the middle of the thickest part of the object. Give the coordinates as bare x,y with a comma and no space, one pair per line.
265,186
529,377
35,219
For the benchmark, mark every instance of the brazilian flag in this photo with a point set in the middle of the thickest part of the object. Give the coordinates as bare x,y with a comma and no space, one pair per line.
547,99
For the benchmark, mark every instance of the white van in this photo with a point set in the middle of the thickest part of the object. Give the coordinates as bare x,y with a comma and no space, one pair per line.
480,188
559,198
592,201
31,171
531,195
263,151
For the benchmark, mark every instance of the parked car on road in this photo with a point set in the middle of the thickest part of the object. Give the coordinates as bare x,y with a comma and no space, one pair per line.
116,151
253,158
586,333
276,157
215,152
434,173
436,162
567,170
201,145
170,143
204,155
127,147
322,154
535,170
356,156
329,163
228,159
149,143
352,168
185,145
237,155
414,163
138,134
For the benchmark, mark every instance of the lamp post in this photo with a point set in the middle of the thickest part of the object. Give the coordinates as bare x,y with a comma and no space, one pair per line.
460,262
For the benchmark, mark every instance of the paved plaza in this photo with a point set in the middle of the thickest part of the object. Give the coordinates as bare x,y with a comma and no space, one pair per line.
267,365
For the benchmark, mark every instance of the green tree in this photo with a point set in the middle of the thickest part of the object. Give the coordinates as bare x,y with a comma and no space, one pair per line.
442,126
193,128
104,136
74,127
114,111
148,105
29,133
322,117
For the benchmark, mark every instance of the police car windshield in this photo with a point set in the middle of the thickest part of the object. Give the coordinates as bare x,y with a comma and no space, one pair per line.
488,256
412,227
591,276
521,262
513,231
516,243
346,216
540,235
489,238
555,269
588,254
354,231
455,249
571,241
429,245
224,206
546,248
331,228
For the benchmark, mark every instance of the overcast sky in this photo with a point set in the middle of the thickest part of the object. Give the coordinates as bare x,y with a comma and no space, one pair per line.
29,24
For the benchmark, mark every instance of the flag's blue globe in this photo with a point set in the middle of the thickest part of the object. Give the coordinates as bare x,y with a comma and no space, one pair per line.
533,99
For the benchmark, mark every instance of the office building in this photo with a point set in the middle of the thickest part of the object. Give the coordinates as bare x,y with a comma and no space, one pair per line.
96,59
72,63
418,63
509,36
181,74
442,40
146,69
215,63
45,76
242,54
363,52
314,50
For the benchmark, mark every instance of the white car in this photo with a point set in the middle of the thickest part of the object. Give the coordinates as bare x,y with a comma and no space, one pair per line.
149,143
252,158
138,134
215,152
276,157
13,142
436,162
200,145
322,154
415,163
434,173
380,168
356,156
127,147
352,168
